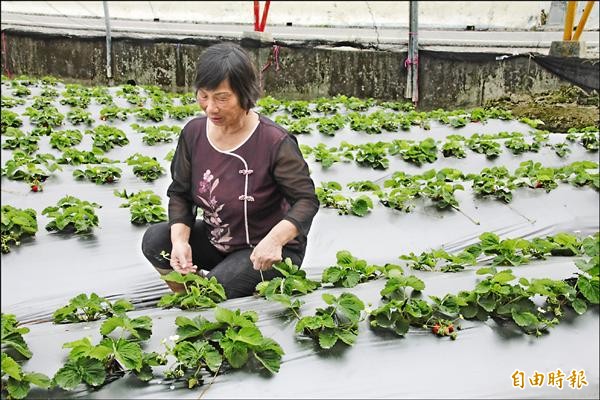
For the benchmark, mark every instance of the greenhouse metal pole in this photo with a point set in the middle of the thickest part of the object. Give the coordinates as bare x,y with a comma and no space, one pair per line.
412,60
108,42
414,35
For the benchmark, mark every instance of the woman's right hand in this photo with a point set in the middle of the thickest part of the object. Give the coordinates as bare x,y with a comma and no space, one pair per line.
181,258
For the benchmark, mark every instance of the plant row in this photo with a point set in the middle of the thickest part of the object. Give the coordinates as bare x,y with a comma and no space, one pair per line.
72,215
402,190
202,348
375,154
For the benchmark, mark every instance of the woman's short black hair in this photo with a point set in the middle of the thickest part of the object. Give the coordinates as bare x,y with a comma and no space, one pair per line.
228,61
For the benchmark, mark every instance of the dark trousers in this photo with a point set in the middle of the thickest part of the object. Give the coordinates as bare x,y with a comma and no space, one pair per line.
233,270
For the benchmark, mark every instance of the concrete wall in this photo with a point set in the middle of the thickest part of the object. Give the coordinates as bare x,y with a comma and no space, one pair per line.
432,14
305,72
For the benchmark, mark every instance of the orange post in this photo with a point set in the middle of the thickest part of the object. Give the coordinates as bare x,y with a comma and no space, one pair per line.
583,20
569,16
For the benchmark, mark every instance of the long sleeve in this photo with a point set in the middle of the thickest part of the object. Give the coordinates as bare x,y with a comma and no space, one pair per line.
290,171
181,207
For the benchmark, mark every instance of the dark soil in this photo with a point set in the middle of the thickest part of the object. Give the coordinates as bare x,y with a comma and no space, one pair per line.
562,109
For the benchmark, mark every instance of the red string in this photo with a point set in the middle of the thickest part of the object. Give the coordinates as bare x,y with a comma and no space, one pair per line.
409,61
273,55
5,56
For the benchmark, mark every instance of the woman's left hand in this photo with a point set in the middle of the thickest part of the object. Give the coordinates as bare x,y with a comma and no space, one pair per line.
266,253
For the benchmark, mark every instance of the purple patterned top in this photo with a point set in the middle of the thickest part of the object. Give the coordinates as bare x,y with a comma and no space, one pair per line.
243,192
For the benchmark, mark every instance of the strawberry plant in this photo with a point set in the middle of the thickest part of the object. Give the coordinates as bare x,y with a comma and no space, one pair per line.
293,282
495,181
329,196
18,384
356,104
364,186
297,108
401,310
589,140
323,154
453,148
16,139
74,156
112,112
9,119
99,174
329,125
268,105
349,271
301,126
63,140
488,147
128,89
192,358
10,102
72,215
82,308
79,116
41,102
441,193
23,80
440,260
401,198
49,92
420,153
77,102
96,365
188,98
233,339
326,106
182,112
338,321
21,90
156,113
76,90
581,173
199,292
364,123
373,155
561,149
12,336
534,175
147,168
398,105
145,206
283,120
534,123
25,167
17,223
49,117
155,134
507,252
107,137
495,297
169,156
135,99
517,145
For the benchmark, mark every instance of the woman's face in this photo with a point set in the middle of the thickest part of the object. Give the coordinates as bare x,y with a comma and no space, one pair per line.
221,105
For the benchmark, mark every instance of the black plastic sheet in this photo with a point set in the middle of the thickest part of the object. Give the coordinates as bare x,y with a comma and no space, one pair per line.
45,272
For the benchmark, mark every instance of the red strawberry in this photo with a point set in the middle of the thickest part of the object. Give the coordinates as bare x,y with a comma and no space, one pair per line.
450,328
538,185
435,329
35,188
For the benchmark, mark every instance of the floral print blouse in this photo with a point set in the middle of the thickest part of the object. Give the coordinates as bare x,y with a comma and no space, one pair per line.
243,192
